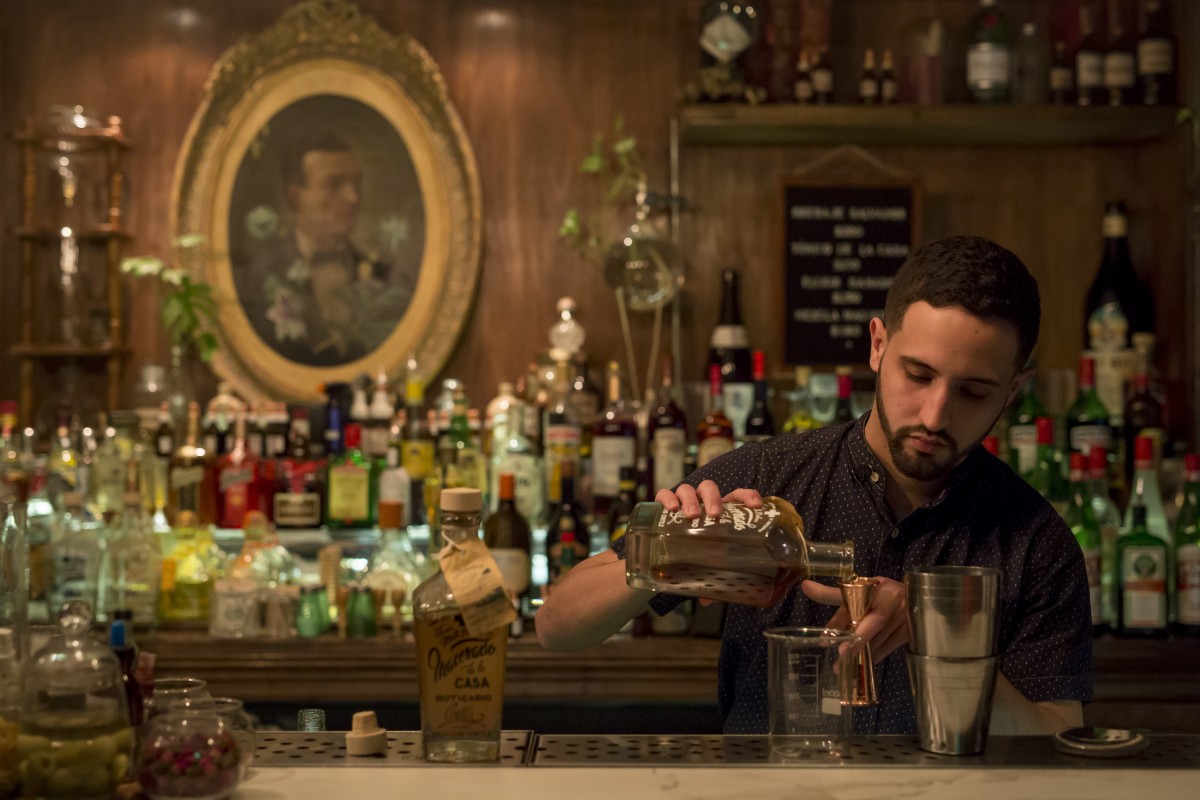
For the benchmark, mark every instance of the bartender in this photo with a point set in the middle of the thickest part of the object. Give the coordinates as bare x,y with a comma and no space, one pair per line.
909,484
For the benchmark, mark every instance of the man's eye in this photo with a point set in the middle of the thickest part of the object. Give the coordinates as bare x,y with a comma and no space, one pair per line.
915,378
973,395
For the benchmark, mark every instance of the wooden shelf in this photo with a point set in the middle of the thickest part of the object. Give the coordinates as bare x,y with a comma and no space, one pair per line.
67,351
88,136
100,233
920,125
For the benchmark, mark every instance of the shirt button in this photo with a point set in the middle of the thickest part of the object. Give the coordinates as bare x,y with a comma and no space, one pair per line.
874,476
895,532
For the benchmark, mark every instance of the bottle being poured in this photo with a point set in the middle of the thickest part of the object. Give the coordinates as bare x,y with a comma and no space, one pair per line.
752,556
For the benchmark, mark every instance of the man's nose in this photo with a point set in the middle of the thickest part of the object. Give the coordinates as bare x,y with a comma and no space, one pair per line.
935,410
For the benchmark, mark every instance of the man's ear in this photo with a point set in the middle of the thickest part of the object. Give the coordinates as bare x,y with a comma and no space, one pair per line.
879,337
1018,383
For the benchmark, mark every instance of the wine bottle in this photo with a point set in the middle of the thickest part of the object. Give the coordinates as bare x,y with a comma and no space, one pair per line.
889,88
844,412
614,443
803,89
1089,59
667,437
567,532
989,53
1143,417
822,78
1062,76
507,536
729,349
1120,69
759,425
714,435
1118,303
868,80
1156,56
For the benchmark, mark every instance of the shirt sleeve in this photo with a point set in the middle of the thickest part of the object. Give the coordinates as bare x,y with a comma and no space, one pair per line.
737,469
1048,656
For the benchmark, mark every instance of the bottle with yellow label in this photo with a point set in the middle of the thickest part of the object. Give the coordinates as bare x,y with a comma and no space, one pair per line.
351,486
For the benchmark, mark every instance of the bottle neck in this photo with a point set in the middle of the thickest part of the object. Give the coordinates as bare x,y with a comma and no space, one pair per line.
731,313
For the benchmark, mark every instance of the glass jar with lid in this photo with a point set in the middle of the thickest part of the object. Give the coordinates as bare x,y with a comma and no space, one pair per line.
191,754
74,717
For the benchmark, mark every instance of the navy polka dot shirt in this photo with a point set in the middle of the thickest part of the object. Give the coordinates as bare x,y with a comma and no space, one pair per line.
987,516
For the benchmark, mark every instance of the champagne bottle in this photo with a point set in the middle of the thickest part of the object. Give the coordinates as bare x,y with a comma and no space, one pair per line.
1156,56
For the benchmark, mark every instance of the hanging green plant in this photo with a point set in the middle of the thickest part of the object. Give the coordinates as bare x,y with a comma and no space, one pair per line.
618,167
189,306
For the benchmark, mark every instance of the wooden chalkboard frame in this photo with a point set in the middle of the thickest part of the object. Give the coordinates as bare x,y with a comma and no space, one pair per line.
831,180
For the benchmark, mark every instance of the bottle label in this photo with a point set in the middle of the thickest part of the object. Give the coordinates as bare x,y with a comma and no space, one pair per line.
1089,70
461,677
1091,560
375,440
724,38
562,445
739,401
562,556
1107,328
417,458
1144,587
1061,79
987,65
669,450
887,89
822,81
527,483
1188,583
276,445
1119,70
235,476
736,516
1114,368
609,455
71,577
1085,437
183,477
711,448
297,509
868,88
349,493
1155,57
803,91
1022,442
212,443
514,568
729,337
478,585
254,443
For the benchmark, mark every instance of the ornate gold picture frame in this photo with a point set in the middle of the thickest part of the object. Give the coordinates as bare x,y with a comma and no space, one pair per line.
338,195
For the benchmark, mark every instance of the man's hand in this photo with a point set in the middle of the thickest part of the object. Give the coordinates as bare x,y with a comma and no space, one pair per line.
884,626
708,494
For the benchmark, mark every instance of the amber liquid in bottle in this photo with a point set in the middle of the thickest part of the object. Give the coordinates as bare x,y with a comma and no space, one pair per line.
192,480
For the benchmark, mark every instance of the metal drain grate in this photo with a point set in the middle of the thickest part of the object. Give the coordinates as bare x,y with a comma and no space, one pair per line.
1165,751
328,748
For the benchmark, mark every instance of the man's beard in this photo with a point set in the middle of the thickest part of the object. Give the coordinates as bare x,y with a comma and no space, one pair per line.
918,466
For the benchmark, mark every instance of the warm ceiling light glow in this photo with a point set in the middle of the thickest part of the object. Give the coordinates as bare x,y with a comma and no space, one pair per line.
494,18
184,18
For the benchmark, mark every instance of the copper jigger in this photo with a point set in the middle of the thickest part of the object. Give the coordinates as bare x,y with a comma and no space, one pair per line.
856,596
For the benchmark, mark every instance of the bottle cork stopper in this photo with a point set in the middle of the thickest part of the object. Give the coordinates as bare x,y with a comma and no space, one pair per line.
365,737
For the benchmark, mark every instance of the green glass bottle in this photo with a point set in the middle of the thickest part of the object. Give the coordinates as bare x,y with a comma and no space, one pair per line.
989,53
1046,477
1142,561
463,465
1087,418
352,485
1082,521
1108,518
1022,430
1187,552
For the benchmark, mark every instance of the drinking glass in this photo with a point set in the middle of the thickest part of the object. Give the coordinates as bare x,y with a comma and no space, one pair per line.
808,688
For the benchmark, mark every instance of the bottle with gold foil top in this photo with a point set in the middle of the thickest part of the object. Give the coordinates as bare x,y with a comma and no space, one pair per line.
747,555
193,484
461,618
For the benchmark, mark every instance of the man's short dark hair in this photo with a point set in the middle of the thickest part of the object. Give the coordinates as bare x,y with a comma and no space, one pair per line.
974,274
293,160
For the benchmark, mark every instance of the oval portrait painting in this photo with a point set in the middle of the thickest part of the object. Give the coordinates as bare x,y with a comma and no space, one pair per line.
326,231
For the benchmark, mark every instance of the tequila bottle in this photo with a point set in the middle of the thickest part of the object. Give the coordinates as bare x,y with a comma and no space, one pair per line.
134,565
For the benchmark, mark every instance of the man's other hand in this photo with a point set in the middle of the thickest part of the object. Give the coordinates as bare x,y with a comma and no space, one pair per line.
884,626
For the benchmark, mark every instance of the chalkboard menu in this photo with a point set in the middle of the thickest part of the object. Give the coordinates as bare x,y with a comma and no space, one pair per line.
841,247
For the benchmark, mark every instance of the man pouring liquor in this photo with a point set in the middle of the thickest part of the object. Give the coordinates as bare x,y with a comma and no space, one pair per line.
910,486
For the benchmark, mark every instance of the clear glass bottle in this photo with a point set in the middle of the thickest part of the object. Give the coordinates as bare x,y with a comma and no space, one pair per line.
461,676
14,576
75,715
1187,551
134,566
801,418
750,556
1082,522
396,567
515,453
77,551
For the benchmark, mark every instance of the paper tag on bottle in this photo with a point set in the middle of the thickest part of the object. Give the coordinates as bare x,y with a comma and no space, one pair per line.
478,585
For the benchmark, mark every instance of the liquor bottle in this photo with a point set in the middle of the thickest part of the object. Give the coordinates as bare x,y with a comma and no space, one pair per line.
759,425
395,485
729,349
64,462
714,434
622,507
77,553
419,455
1120,67
193,485
1089,59
462,462
460,671
1118,302
989,52
889,89
499,417
614,443
803,89
134,566
517,455
1187,551
238,480
262,559
299,498
667,437
1108,518
1082,522
584,397
256,431
561,434
1030,66
278,427
352,489
1062,76
1143,564
1046,476
822,78
377,433
1156,56
1087,418
728,33
1022,430
164,435
567,541
868,80
844,411
1143,417
396,567
801,416
86,453
1146,492
506,533
189,569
